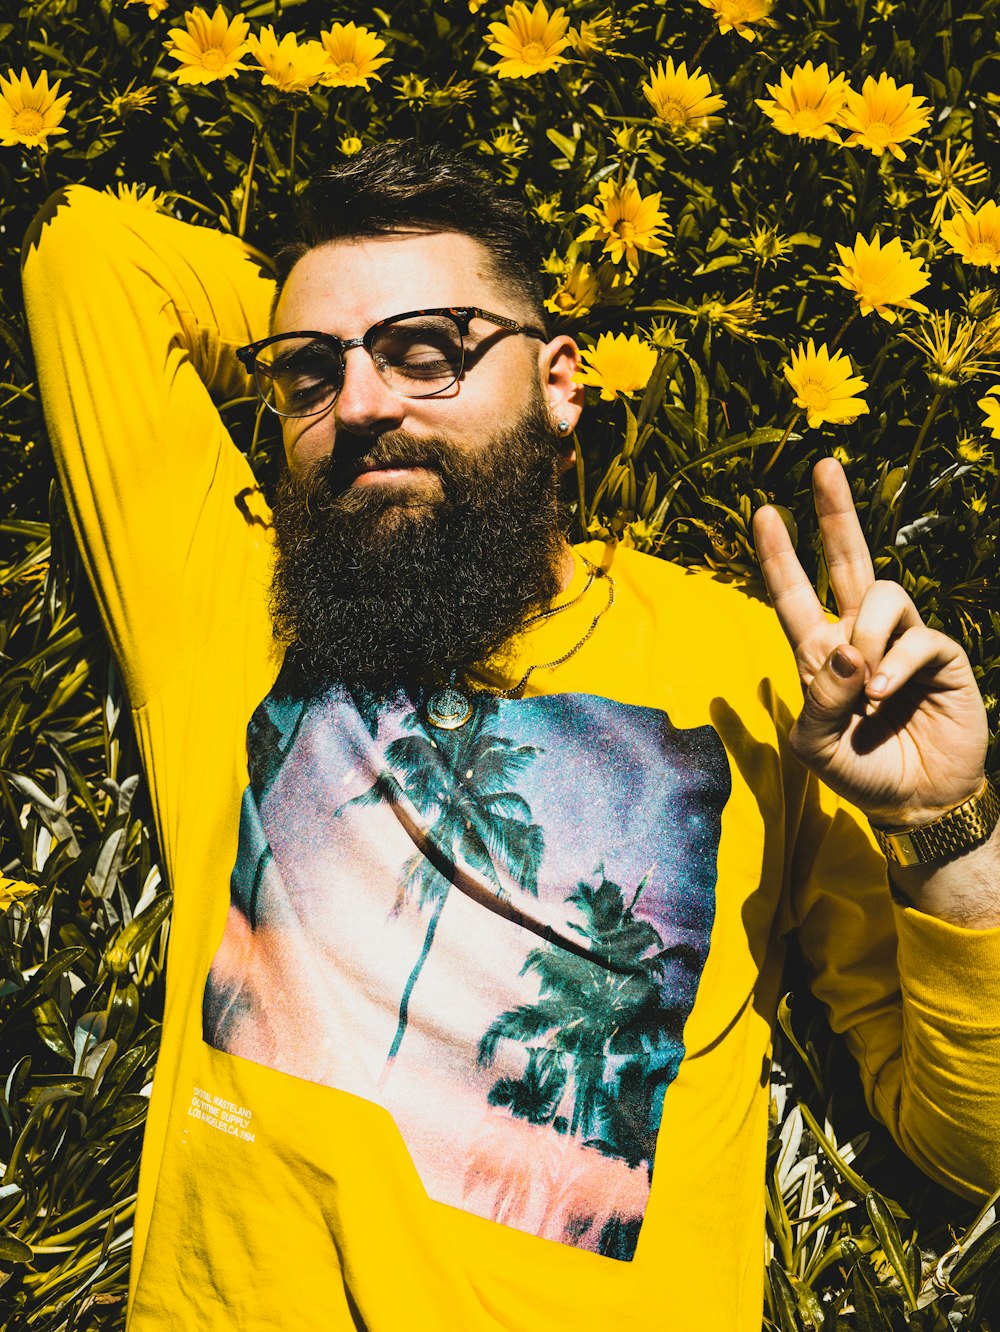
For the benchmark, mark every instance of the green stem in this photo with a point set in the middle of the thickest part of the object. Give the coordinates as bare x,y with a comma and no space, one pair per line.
293,149
780,445
43,174
694,59
843,328
581,489
248,181
918,444
863,197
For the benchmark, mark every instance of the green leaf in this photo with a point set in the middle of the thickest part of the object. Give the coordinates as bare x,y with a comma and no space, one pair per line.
13,1250
137,933
892,1245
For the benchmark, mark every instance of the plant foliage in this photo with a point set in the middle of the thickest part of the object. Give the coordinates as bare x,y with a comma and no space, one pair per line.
689,321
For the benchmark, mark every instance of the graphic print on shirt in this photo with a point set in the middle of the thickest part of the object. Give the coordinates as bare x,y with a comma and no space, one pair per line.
496,933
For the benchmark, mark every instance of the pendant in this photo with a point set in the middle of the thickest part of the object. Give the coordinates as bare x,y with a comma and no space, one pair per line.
448,708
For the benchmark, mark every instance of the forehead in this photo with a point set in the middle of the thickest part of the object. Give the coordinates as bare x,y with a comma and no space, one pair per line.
344,286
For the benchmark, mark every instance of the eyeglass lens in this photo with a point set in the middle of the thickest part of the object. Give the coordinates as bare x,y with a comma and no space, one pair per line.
416,357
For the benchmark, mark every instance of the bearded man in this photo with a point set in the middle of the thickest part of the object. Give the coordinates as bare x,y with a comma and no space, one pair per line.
478,940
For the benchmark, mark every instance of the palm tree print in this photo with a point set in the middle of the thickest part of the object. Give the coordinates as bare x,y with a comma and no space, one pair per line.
603,1025
458,782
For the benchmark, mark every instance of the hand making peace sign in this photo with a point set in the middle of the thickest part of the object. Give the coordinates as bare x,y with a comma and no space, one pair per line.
892,719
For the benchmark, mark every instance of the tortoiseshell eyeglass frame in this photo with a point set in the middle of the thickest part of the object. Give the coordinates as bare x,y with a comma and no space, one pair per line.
461,315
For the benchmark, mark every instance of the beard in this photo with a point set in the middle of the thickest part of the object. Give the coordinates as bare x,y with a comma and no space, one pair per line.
387,591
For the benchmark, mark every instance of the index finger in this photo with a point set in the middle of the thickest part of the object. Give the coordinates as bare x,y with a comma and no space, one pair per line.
792,595
848,558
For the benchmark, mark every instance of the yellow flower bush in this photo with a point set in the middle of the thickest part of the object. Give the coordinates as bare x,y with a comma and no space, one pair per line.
30,112
991,411
626,222
285,65
208,48
679,98
882,117
825,386
352,56
530,42
741,256
806,102
617,365
154,8
975,235
881,276
740,16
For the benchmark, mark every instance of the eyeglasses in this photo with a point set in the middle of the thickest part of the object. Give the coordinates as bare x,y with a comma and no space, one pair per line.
418,354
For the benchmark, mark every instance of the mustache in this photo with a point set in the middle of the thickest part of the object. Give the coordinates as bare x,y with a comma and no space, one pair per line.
353,455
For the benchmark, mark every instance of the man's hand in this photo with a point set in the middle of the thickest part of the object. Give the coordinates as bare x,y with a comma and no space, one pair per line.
892,719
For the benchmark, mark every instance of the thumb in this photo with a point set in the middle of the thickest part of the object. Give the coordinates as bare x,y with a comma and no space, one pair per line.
830,702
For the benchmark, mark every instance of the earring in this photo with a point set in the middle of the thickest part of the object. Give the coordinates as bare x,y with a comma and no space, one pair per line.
562,427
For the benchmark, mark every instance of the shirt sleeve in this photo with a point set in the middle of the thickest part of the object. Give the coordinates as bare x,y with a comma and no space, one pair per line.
133,317
918,1000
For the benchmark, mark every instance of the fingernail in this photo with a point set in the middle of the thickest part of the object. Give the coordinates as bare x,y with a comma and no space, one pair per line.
879,685
842,665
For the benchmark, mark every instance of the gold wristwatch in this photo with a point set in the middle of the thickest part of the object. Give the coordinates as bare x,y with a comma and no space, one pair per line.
960,829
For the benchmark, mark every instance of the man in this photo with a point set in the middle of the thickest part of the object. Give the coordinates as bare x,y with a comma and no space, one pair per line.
472,984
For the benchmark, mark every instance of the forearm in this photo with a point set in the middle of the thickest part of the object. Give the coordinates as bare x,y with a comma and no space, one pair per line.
964,891
133,317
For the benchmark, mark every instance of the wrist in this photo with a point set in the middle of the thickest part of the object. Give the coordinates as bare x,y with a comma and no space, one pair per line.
948,834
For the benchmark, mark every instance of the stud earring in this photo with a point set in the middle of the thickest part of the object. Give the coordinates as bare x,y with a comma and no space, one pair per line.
562,427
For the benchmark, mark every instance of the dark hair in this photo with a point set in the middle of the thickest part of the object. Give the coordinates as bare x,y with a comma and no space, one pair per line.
400,184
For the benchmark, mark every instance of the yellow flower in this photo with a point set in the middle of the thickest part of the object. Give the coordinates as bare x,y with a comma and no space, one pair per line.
618,364
956,351
352,56
738,317
13,891
991,412
29,112
883,116
124,104
154,8
972,450
579,293
680,98
349,145
530,41
208,48
881,275
150,199
948,176
825,385
596,35
806,102
738,15
975,235
625,221
287,66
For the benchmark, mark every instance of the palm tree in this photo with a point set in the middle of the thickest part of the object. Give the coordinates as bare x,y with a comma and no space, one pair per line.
608,1007
452,794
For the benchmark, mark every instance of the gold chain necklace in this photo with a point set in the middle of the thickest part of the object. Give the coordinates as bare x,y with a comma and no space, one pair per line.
450,708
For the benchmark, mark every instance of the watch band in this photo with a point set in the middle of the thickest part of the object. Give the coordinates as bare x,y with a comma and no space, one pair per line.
960,829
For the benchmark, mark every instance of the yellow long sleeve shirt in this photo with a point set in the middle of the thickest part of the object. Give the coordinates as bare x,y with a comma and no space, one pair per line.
464,1031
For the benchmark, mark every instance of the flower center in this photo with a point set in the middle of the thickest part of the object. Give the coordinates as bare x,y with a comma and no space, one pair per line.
533,53
808,119
674,112
213,58
815,396
984,252
348,70
28,121
873,294
734,12
877,131
626,230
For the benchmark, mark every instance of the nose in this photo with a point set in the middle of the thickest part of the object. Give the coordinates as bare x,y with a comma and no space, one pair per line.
366,405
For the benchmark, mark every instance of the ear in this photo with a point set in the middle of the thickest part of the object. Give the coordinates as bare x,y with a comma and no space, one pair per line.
558,362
